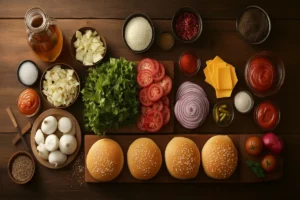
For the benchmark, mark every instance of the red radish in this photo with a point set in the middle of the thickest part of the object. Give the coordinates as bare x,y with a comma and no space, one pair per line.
273,143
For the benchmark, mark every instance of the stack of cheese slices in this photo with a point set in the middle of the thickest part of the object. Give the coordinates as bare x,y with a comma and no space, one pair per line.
221,76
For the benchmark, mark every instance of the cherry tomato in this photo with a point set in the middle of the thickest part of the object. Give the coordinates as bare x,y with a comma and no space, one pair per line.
154,121
141,123
158,106
269,163
155,92
254,146
160,74
166,114
148,64
146,110
165,100
144,98
144,78
166,83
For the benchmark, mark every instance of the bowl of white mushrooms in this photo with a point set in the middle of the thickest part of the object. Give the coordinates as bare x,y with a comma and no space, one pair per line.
55,138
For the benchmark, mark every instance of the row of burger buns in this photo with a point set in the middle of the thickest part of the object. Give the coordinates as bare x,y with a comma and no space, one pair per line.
219,158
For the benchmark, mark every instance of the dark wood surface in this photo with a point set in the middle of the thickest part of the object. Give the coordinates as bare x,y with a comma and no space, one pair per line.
241,175
219,37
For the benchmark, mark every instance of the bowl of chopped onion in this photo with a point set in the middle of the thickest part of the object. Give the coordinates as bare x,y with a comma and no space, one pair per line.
88,48
60,85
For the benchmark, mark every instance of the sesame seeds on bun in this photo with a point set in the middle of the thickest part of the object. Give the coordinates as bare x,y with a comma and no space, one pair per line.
219,157
182,158
144,159
105,160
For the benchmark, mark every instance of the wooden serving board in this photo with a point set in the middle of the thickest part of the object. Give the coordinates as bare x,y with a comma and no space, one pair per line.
169,128
57,113
242,174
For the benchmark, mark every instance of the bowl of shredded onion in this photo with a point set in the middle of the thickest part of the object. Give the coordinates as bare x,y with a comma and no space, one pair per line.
88,47
60,85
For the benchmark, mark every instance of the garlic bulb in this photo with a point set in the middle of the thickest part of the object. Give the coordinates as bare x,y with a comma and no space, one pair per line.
67,144
57,158
43,153
52,142
65,125
39,137
49,125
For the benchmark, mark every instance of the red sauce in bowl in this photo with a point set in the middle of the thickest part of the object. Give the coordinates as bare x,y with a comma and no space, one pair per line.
267,115
29,102
261,74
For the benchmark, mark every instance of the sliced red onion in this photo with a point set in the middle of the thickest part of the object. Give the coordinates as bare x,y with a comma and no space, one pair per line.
192,106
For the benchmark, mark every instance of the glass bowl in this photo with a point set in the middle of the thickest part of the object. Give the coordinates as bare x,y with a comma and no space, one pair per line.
279,74
217,113
191,52
252,101
256,115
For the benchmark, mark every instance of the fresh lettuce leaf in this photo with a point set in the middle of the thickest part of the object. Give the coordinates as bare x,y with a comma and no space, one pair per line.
110,96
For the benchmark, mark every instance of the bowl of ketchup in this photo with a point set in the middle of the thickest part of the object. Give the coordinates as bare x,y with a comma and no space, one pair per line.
267,115
264,74
29,102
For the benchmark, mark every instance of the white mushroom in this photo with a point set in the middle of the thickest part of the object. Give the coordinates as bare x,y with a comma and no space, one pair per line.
67,144
49,125
39,137
65,125
43,153
57,158
52,142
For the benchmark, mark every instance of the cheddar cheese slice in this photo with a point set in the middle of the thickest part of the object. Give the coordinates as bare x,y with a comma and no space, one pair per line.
224,78
223,93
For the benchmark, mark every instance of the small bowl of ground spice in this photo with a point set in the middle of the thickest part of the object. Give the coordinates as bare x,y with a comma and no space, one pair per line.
189,63
254,25
165,41
21,167
187,25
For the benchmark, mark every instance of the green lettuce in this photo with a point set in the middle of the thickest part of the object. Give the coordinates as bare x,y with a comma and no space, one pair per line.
110,96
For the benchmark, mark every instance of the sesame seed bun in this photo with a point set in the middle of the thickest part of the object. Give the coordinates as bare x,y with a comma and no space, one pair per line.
105,160
144,159
219,157
182,158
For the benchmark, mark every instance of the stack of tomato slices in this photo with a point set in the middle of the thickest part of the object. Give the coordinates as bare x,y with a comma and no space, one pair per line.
155,87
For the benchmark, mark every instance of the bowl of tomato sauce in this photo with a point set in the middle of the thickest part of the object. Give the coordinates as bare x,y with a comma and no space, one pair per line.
29,102
267,115
264,74
187,25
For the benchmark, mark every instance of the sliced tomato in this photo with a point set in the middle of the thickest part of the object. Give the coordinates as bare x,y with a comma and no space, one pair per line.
148,64
160,74
154,121
166,83
155,92
158,106
144,78
141,123
165,100
144,98
166,114
146,110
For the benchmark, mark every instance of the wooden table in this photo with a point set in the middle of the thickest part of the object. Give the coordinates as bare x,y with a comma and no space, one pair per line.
219,38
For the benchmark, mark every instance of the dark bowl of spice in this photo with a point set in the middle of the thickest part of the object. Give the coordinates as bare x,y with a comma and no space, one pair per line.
21,167
189,63
254,25
187,25
165,41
